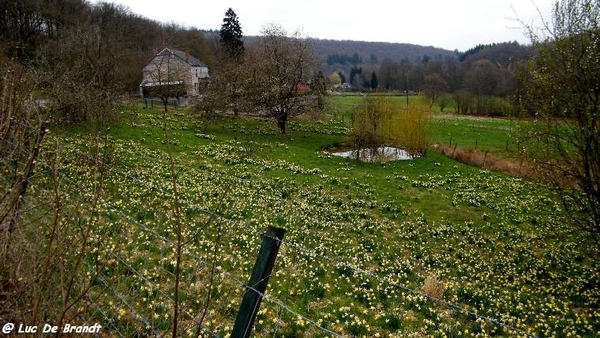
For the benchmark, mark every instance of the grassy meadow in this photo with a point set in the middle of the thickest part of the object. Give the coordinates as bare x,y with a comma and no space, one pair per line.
365,242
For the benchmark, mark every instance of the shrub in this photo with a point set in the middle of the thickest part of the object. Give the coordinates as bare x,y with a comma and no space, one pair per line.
494,106
370,122
380,122
409,129
463,102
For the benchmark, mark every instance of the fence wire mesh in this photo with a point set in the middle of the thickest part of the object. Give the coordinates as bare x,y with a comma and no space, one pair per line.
129,264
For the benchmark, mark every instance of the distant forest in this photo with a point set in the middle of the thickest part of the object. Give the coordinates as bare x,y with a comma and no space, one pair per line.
472,80
62,37
343,55
472,77
336,56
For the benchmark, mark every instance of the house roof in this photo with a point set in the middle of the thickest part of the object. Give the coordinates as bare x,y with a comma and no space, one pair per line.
192,61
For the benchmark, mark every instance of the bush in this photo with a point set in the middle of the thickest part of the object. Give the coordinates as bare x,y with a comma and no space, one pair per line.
370,122
433,287
380,122
409,129
463,102
494,106
467,103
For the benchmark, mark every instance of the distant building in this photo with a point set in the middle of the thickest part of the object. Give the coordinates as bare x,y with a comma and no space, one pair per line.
174,72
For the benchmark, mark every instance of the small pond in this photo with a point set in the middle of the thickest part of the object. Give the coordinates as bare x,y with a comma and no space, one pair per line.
381,154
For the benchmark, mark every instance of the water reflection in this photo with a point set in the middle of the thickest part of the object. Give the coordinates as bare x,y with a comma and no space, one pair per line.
381,154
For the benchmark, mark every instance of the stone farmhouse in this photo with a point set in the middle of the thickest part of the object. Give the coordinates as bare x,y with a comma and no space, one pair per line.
174,72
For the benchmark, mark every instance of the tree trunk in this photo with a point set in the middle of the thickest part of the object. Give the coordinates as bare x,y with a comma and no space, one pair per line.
281,121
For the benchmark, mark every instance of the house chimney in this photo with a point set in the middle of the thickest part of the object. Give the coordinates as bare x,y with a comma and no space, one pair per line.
187,56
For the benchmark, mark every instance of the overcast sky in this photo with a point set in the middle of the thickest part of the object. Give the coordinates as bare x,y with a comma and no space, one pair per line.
449,24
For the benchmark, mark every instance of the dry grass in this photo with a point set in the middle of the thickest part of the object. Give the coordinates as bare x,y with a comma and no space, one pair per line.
488,161
433,286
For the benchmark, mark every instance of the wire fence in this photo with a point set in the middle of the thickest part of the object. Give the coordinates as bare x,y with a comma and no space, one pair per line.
132,286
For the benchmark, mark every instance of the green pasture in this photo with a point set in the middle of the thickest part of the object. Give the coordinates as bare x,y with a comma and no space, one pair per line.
361,235
499,136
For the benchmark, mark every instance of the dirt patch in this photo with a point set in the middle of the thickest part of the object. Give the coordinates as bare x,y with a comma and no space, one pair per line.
488,161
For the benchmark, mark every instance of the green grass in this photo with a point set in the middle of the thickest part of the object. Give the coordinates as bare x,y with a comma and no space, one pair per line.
499,136
500,244
496,135
340,105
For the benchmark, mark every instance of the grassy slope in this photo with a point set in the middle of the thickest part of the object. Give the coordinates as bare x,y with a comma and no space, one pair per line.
498,244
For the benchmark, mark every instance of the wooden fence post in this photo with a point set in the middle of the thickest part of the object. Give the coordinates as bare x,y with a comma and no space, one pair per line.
258,282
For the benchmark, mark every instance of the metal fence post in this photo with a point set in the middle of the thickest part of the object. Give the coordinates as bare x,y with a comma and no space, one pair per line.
258,282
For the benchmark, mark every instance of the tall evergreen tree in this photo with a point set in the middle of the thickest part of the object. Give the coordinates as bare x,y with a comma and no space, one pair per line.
231,35
342,77
374,82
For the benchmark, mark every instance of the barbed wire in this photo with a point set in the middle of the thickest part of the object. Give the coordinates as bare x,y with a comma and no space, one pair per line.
31,208
165,295
288,309
118,295
237,280
241,283
401,286
184,201
139,274
310,252
279,316
121,298
111,322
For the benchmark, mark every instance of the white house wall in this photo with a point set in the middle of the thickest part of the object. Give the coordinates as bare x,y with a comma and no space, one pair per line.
197,74
168,68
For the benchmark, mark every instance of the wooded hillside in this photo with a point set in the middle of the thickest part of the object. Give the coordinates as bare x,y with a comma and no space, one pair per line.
107,45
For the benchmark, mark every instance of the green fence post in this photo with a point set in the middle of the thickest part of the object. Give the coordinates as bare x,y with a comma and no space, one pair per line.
258,282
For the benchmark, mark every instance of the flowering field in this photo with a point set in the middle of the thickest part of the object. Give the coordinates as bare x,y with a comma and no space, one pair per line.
427,247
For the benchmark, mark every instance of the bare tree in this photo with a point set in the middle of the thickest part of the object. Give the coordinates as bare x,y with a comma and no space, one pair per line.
380,122
279,68
434,86
562,90
371,123
22,133
389,75
482,79
44,242
86,68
